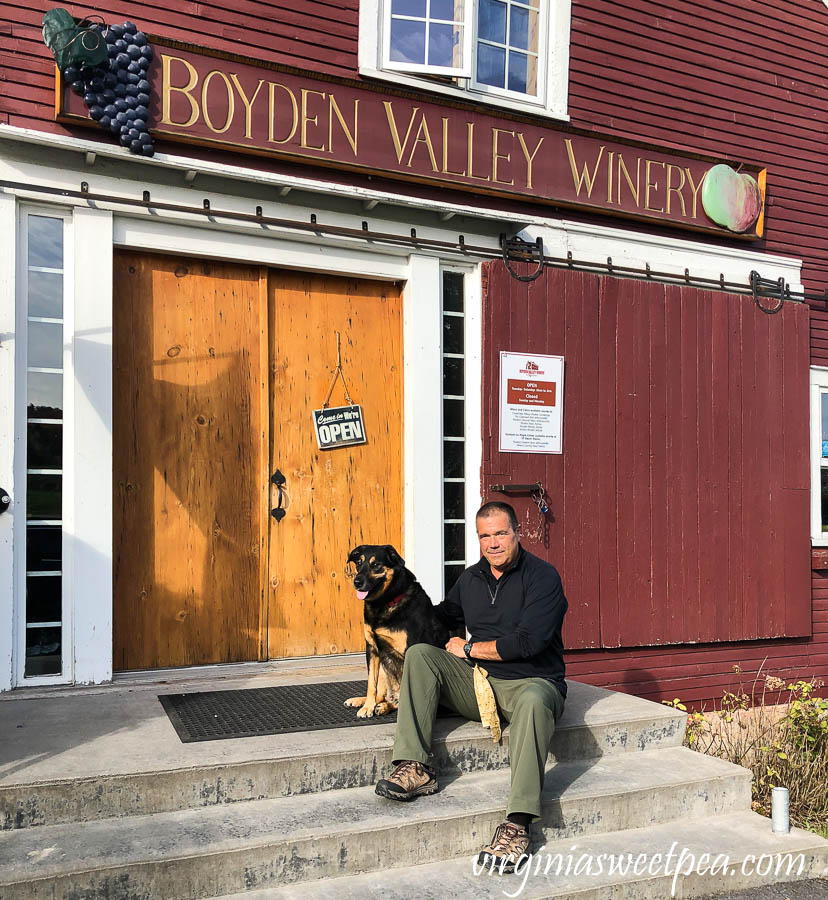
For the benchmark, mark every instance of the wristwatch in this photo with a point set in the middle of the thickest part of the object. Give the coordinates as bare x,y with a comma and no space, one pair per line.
467,649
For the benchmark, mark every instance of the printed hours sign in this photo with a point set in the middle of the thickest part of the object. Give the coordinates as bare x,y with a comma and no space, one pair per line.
531,403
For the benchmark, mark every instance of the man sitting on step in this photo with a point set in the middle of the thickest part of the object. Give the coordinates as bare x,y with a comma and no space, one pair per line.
512,604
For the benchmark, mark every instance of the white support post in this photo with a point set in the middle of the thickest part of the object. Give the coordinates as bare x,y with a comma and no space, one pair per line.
423,424
91,480
8,272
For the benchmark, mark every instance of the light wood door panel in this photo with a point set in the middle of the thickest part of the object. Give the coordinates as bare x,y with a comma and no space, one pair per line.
190,461
337,498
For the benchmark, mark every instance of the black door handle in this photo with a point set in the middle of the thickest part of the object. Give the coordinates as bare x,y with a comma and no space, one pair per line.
278,512
5,501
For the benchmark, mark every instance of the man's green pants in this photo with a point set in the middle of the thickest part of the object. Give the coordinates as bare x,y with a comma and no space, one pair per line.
532,706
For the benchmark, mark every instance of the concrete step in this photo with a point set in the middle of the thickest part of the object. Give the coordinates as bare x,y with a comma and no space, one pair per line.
755,857
133,764
237,847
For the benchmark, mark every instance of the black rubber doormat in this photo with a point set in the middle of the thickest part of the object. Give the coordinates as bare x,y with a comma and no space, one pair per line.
219,715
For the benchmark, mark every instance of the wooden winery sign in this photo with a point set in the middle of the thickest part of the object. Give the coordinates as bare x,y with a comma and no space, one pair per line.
200,97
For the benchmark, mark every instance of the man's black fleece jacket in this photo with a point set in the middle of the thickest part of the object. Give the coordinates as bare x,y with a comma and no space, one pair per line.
522,611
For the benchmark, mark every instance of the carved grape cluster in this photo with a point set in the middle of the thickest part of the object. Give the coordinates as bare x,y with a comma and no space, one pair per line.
117,95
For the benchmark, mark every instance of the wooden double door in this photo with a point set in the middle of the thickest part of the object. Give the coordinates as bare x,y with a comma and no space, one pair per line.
216,370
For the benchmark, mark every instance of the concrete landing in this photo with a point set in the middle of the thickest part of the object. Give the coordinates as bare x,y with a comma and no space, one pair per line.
106,752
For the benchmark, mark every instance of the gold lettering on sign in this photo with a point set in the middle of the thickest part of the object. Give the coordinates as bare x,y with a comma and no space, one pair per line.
650,185
496,155
634,189
271,125
423,137
470,149
231,101
694,188
529,157
350,133
584,177
677,190
446,170
247,101
307,119
399,147
609,176
167,90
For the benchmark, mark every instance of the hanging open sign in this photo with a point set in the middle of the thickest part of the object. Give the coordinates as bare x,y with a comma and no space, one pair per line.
339,426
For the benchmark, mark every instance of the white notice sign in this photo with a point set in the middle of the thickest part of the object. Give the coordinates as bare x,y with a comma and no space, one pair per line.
531,403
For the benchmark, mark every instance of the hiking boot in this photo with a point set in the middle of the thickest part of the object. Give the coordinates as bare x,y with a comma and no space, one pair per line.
408,781
509,844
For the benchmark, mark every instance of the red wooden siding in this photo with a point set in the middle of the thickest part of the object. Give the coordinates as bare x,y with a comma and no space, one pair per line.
681,500
320,36
695,75
700,673
819,337
699,75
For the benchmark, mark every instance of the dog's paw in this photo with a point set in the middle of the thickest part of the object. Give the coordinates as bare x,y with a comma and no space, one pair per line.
366,712
355,701
384,708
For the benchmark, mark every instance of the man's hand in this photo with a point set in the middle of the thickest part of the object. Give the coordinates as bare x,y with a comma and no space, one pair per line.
480,649
455,647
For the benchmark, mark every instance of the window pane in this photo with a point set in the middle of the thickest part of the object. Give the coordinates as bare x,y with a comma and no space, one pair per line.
443,41
453,506
452,334
45,345
519,28
491,25
46,295
517,72
45,396
43,598
453,376
408,8
407,41
43,497
454,546
449,10
824,474
452,574
824,397
46,242
453,459
43,648
43,548
45,446
453,291
491,65
453,418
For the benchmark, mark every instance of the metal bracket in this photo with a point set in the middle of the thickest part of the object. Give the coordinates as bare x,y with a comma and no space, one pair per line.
767,287
515,249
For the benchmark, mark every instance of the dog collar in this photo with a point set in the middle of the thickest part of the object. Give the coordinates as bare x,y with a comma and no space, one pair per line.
396,600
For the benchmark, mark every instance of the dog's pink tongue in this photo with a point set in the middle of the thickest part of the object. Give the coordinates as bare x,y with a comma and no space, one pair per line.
361,595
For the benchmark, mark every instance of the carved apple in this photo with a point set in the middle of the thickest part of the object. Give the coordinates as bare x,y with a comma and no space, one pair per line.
731,199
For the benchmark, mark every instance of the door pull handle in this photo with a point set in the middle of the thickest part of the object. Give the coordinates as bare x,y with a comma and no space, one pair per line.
278,512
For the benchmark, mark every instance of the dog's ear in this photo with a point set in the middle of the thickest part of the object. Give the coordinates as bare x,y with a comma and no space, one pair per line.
355,554
393,557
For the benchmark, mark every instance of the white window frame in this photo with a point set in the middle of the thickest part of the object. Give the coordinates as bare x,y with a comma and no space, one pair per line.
543,64
553,68
819,386
67,673
463,71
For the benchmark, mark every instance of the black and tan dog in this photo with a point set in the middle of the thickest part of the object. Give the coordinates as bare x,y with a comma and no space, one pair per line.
398,613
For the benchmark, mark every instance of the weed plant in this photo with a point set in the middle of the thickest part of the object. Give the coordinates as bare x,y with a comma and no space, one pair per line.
777,729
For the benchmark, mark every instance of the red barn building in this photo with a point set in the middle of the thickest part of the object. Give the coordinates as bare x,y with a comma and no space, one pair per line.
308,191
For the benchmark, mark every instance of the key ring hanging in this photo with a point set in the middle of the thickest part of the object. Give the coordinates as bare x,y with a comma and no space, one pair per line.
338,373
